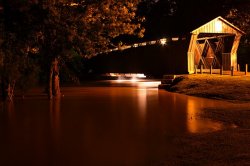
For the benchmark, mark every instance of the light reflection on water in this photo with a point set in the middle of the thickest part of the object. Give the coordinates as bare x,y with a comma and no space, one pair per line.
111,125
196,125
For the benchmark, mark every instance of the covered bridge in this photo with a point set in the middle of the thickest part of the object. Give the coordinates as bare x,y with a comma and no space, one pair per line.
214,44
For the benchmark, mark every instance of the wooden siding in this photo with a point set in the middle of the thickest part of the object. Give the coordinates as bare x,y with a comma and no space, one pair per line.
213,28
226,61
190,62
190,54
234,52
210,27
192,41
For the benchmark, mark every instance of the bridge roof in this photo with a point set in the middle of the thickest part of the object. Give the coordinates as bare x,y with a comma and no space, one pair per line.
218,25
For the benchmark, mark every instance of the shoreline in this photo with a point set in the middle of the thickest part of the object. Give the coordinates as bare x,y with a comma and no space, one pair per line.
224,147
232,89
235,89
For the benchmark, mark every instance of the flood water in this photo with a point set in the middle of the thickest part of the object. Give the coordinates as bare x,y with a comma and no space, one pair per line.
114,124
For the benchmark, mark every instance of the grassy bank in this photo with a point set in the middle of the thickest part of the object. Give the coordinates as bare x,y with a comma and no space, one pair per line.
225,87
225,147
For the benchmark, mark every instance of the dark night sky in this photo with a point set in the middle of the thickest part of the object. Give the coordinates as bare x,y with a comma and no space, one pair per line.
181,18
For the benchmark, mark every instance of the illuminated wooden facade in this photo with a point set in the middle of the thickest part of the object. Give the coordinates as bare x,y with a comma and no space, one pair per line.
214,44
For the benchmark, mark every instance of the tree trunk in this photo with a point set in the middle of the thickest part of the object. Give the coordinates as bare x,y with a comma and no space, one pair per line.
3,88
7,91
54,82
10,91
50,82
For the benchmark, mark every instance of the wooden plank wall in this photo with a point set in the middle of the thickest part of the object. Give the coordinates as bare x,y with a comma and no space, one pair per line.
190,54
212,27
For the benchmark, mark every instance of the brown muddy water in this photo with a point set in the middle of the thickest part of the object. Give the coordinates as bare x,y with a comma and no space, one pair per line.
109,123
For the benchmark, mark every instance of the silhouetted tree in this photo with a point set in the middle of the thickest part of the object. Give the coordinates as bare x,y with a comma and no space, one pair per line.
54,28
239,14
15,46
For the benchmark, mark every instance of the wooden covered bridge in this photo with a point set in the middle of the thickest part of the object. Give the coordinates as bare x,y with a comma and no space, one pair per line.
215,45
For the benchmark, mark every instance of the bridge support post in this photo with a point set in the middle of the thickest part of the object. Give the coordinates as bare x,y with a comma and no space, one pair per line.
246,70
221,70
201,69
232,70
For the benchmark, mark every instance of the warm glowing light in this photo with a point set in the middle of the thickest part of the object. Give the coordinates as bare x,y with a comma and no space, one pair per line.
163,41
127,75
120,79
112,74
135,45
123,79
149,84
152,42
194,124
140,76
34,50
142,103
133,79
175,38
218,26
73,4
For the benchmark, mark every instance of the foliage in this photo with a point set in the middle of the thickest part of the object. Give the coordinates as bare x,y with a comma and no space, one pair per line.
72,68
53,29
18,68
86,26
16,48
240,16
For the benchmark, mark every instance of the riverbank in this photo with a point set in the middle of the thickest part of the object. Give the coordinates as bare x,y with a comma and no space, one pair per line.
225,147
223,87
234,90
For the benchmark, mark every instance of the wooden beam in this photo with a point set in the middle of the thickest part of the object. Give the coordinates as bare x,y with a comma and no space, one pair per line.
213,50
214,37
200,53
